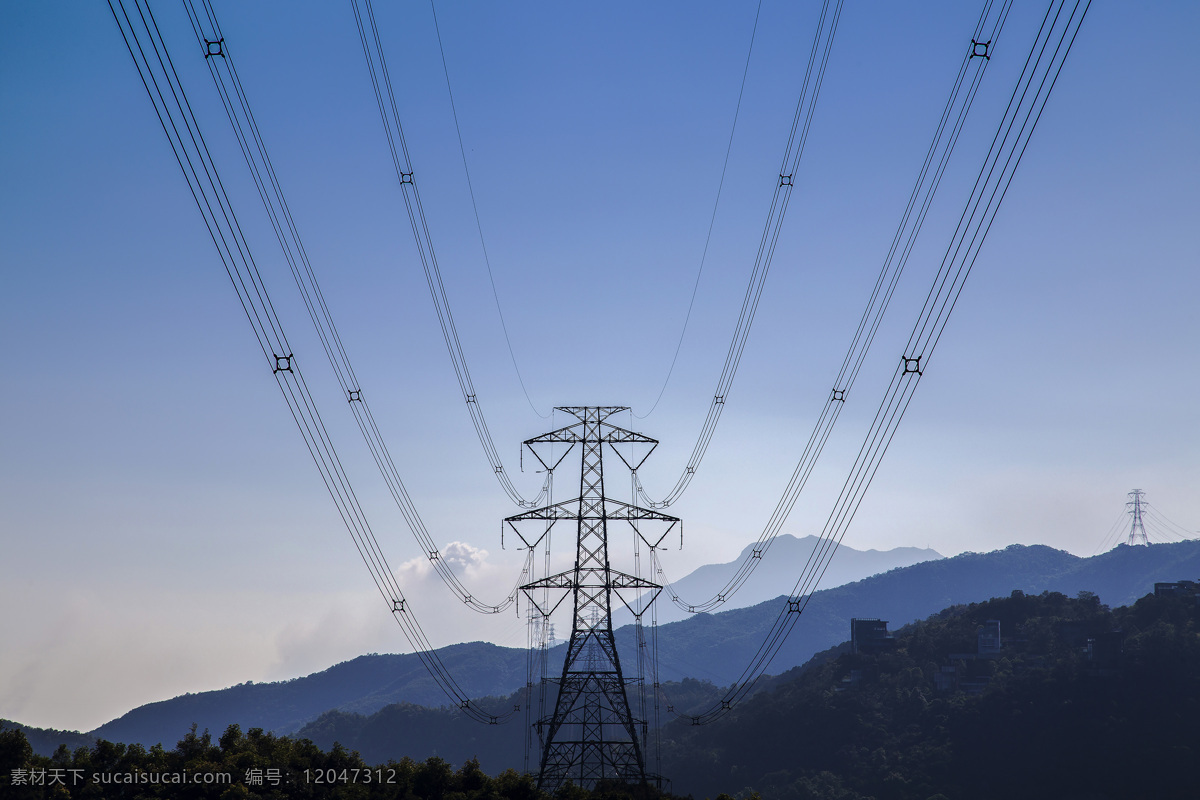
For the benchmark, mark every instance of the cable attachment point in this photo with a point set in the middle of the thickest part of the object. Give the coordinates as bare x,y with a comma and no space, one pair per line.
691,609
355,395
492,720
216,48
433,555
793,606
691,470
471,399
981,49
839,395
465,704
282,363
695,720
912,365
756,552
726,705
719,400
397,605
785,180
670,709
406,177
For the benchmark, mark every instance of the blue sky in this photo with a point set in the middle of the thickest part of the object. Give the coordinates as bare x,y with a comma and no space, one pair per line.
162,528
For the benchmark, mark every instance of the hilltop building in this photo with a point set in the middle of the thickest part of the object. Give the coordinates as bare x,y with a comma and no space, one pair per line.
870,636
1178,589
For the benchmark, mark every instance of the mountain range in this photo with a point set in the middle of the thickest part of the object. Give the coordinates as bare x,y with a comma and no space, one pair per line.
719,644
710,647
781,562
368,683
1017,696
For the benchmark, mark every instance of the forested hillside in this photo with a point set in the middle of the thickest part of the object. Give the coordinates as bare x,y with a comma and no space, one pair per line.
1079,702
1026,696
444,732
708,647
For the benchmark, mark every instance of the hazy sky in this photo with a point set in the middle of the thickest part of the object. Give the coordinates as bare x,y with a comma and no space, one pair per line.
162,528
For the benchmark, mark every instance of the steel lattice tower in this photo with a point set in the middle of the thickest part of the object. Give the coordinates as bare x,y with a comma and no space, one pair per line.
1137,530
592,733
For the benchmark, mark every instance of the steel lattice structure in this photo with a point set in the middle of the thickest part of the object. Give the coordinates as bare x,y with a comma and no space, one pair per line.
592,734
1137,528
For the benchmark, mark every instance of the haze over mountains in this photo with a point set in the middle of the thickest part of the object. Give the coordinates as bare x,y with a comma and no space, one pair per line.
480,668
711,647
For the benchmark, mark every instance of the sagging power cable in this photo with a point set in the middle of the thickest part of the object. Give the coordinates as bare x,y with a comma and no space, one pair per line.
223,69
810,89
711,221
150,55
389,114
1038,77
478,224
1163,528
954,114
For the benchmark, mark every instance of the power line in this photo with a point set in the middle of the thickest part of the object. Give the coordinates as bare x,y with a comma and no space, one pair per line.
1113,531
995,176
814,76
1160,521
389,114
929,178
475,207
148,49
223,69
712,219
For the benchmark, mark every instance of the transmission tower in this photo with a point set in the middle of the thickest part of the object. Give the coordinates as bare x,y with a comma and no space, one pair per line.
1137,531
592,735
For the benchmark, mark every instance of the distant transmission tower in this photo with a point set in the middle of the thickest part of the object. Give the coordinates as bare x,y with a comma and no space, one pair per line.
592,734
1137,531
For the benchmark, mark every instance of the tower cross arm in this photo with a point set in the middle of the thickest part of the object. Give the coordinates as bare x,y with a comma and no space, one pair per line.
614,435
572,434
563,580
616,510
565,510
567,580
621,580
592,413
565,435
